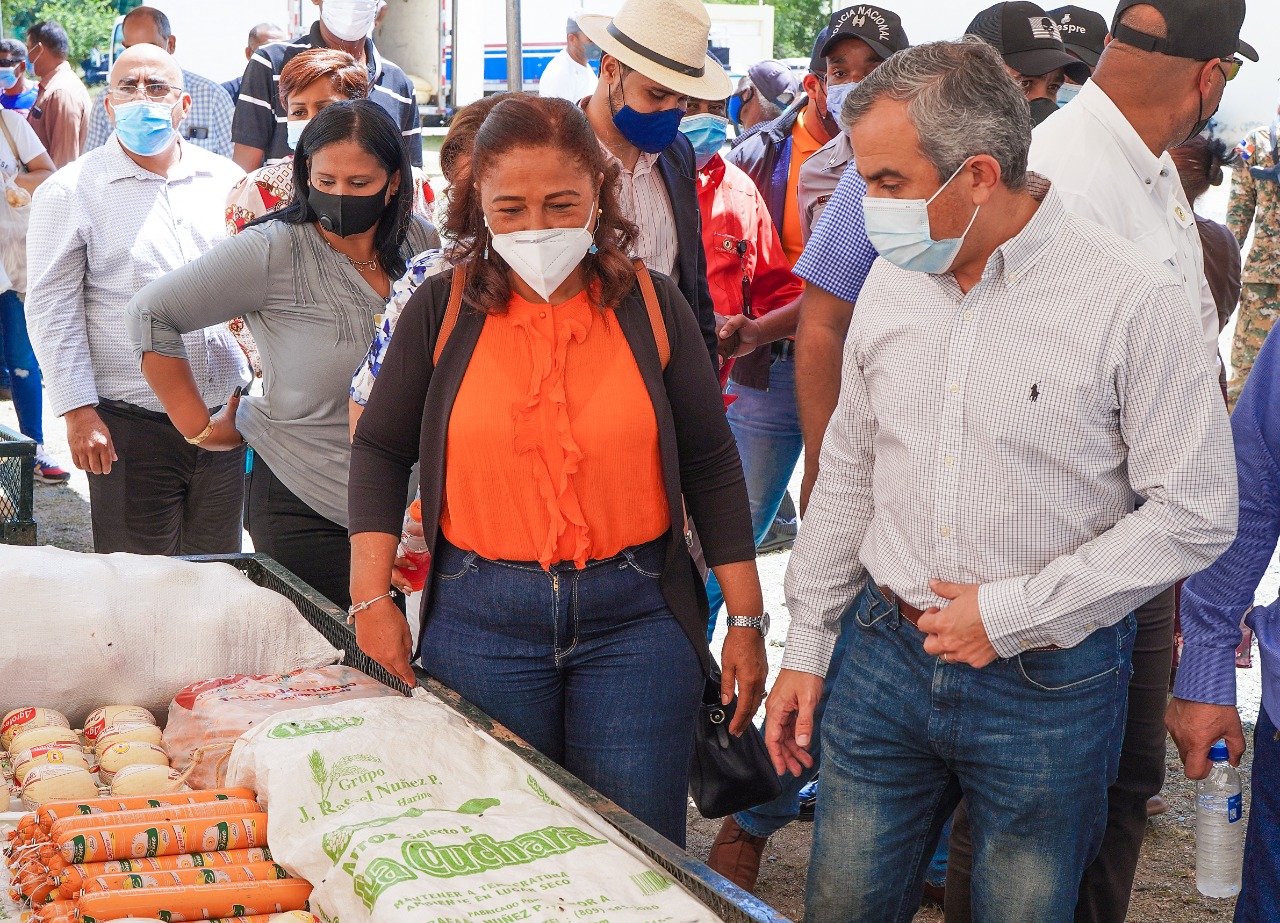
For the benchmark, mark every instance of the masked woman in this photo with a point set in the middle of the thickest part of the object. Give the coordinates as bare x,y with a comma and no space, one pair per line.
309,281
555,450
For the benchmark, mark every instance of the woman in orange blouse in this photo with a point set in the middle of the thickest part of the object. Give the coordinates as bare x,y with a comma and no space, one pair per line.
561,433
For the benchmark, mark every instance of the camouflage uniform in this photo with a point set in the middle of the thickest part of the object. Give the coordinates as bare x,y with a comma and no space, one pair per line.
1255,200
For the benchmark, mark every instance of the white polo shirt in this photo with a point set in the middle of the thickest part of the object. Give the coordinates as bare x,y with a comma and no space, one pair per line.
1104,172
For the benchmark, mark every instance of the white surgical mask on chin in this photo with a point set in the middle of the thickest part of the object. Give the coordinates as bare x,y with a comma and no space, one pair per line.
349,20
545,258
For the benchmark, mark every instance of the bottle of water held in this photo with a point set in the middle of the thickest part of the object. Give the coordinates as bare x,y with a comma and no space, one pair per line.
1219,827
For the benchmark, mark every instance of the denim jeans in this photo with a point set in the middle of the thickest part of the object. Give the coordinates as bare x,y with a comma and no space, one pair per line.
589,666
766,426
24,372
1259,900
1032,742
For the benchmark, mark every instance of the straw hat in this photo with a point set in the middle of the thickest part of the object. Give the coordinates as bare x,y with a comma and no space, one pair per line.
666,41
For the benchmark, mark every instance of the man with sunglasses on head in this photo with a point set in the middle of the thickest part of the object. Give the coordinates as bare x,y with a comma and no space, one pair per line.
1157,84
121,216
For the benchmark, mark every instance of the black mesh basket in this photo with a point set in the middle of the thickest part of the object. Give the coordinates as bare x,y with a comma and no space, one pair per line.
727,901
17,488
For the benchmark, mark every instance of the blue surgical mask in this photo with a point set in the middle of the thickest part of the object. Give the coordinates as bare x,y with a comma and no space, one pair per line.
836,95
735,108
707,133
651,132
293,131
1068,92
899,230
145,127
8,77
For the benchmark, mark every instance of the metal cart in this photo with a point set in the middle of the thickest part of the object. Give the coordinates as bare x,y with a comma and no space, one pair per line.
17,488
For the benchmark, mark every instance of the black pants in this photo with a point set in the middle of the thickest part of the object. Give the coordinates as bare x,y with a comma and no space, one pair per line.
314,548
163,495
1108,881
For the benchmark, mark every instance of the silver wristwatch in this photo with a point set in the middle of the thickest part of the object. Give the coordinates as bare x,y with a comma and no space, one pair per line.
760,624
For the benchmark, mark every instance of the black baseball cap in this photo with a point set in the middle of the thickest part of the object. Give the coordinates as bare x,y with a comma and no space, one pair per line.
817,60
879,28
1193,31
1027,39
1082,31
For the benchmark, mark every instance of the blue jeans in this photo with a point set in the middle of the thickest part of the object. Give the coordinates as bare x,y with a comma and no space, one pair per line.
766,426
1259,900
24,372
1032,742
589,666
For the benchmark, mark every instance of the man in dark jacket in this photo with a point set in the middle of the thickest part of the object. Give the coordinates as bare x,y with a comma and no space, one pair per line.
651,66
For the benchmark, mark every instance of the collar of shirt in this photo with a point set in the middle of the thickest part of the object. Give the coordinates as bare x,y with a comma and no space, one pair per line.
803,139
119,165
643,166
712,173
840,151
1148,167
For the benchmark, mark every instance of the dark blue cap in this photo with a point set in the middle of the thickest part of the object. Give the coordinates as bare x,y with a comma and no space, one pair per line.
1218,752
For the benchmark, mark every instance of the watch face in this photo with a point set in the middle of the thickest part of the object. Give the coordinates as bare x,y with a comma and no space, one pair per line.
764,625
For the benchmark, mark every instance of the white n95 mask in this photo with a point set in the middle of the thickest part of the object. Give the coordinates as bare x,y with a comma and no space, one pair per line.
545,258
349,20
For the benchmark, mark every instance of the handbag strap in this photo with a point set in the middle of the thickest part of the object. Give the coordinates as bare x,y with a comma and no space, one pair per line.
8,136
452,311
655,313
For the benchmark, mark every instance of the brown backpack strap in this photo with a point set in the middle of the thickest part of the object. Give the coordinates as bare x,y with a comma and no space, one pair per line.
656,320
451,312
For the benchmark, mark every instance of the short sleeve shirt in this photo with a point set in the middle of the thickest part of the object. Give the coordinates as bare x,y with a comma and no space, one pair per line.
838,256
24,136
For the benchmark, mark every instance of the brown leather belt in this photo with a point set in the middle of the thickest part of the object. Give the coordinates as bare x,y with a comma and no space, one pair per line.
912,615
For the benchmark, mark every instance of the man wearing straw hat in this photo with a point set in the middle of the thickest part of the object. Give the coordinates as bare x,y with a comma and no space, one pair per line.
654,60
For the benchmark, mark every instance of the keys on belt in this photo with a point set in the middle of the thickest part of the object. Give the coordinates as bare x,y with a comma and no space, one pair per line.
912,615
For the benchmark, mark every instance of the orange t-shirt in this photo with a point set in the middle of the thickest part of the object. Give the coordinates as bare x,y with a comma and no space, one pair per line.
803,146
552,449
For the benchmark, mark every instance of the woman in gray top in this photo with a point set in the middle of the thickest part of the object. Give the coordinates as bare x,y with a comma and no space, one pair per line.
310,281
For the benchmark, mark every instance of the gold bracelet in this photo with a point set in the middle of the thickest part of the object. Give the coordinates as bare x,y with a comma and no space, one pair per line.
202,435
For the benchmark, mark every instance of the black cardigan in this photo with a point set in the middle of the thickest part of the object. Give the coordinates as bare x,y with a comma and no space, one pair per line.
407,420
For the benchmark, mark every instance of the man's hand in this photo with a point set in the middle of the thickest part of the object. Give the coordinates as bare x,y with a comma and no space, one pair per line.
739,335
743,663
90,441
788,726
956,633
1196,726
383,633
807,481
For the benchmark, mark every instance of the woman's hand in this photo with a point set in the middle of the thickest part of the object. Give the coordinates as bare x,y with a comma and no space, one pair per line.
398,579
382,632
743,663
225,436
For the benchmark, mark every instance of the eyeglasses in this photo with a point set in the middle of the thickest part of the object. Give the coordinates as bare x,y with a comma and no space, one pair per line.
152,91
1230,67
11,63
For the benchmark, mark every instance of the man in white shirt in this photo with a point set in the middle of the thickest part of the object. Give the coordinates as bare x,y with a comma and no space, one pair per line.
1158,82
569,74
103,227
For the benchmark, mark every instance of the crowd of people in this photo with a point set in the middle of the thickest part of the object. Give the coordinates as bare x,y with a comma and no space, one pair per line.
964,280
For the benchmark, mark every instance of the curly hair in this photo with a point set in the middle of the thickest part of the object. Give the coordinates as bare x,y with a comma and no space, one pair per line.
1200,161
514,126
461,137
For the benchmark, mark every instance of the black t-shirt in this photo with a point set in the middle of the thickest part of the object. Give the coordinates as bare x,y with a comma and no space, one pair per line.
260,116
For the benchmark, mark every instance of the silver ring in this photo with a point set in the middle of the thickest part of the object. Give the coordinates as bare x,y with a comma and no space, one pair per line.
945,657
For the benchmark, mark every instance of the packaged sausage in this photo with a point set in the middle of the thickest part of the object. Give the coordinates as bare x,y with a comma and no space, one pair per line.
56,783
73,877
24,761
101,718
43,736
56,811
23,719
62,828
203,902
130,753
143,779
261,871
160,838
126,733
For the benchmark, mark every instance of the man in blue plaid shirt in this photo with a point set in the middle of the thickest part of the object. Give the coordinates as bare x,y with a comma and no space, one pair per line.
208,125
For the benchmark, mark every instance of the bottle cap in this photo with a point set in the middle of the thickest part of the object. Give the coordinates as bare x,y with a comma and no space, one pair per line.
415,510
1218,752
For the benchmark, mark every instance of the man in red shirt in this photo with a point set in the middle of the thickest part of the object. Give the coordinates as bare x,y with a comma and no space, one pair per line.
747,270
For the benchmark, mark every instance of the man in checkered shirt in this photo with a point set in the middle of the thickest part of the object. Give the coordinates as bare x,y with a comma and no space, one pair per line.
1014,378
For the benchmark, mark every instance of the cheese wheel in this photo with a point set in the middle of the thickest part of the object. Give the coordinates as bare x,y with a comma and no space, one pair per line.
102,718
23,761
22,719
41,737
56,783
126,733
145,779
129,753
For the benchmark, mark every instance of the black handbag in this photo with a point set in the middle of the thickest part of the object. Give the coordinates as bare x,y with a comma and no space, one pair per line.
728,774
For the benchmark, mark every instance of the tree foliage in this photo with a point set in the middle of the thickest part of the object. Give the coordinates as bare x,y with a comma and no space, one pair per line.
796,23
88,22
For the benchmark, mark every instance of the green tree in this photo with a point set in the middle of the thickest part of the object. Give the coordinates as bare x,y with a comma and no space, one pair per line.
796,23
88,22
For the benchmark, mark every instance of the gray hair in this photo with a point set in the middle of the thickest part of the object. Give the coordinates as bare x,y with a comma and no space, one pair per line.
962,102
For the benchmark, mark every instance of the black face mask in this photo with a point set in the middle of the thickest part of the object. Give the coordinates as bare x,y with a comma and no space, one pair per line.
1041,109
346,215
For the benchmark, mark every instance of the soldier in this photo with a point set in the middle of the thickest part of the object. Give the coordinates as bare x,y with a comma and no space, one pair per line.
1255,200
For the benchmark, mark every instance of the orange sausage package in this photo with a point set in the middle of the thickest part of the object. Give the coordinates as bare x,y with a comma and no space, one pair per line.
205,902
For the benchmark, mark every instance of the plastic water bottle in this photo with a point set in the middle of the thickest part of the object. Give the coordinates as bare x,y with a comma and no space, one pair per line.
1219,827
413,545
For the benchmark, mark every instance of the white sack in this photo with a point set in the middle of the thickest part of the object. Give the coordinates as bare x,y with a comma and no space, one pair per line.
85,630
399,810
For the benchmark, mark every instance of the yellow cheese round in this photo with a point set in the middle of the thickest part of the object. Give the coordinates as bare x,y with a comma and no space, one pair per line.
145,779
43,737
24,761
127,733
23,719
57,783
129,753
102,718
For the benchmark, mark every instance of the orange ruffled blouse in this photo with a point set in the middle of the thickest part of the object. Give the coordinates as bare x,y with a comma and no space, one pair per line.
552,451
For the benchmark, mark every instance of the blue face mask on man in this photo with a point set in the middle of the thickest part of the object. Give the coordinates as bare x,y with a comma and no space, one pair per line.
145,127
899,230
707,133
8,77
651,132
1068,92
